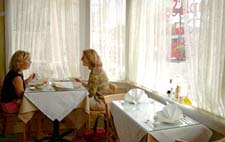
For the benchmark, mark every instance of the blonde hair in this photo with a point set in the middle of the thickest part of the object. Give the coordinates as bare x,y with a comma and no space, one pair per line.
17,58
93,58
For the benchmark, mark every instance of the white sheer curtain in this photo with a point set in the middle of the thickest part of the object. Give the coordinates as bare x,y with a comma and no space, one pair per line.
207,59
149,43
55,32
107,31
204,33
49,30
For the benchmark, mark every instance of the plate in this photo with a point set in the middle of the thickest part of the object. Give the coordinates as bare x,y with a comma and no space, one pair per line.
63,85
38,84
35,82
32,88
77,84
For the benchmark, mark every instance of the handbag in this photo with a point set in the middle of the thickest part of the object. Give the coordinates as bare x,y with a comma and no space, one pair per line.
96,134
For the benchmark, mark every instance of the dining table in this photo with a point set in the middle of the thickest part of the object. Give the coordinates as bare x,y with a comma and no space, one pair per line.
56,100
138,123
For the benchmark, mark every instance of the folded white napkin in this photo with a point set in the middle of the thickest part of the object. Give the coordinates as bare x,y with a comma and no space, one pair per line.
170,114
136,96
64,85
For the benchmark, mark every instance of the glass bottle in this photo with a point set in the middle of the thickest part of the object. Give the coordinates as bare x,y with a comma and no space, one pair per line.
170,90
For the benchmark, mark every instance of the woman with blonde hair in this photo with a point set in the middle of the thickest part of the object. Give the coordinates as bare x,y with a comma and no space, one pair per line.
98,83
14,84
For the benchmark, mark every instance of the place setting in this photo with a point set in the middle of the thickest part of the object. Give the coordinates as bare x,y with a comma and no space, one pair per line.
53,85
169,117
39,85
136,99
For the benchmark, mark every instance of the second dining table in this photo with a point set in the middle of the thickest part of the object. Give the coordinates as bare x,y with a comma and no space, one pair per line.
137,123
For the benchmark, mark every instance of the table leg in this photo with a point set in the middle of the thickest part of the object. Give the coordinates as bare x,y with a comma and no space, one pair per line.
56,136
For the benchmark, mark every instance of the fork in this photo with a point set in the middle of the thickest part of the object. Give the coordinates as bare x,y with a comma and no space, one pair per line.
184,119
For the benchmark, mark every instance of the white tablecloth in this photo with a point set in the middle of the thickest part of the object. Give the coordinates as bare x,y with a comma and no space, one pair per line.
54,104
195,133
133,122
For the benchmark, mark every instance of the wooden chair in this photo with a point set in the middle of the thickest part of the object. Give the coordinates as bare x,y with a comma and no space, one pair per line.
92,113
220,140
110,129
9,120
195,140
107,99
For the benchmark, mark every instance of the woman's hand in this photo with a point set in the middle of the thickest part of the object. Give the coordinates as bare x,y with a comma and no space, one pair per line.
82,82
30,77
77,80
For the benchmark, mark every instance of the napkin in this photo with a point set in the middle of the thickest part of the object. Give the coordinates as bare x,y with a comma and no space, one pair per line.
63,85
170,114
136,96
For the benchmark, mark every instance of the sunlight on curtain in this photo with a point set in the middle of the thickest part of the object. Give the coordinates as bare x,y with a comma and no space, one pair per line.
207,59
154,40
49,30
107,35
149,43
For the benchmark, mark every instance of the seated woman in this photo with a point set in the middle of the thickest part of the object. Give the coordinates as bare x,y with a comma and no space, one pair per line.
98,83
14,84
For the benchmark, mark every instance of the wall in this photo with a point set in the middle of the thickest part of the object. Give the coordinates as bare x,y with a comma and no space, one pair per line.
2,39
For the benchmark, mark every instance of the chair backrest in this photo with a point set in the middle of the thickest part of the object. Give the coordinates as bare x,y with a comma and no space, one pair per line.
109,123
220,140
112,97
113,87
107,99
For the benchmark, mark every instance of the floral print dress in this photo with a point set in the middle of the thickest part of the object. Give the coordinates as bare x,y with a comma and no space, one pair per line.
98,83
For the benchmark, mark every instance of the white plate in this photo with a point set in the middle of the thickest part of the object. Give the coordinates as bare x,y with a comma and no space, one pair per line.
77,84
63,85
35,82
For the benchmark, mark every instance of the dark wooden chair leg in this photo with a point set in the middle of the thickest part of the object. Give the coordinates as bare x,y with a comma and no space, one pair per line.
4,125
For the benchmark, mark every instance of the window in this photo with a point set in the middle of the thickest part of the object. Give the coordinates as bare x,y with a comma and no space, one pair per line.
49,30
175,39
108,35
148,42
